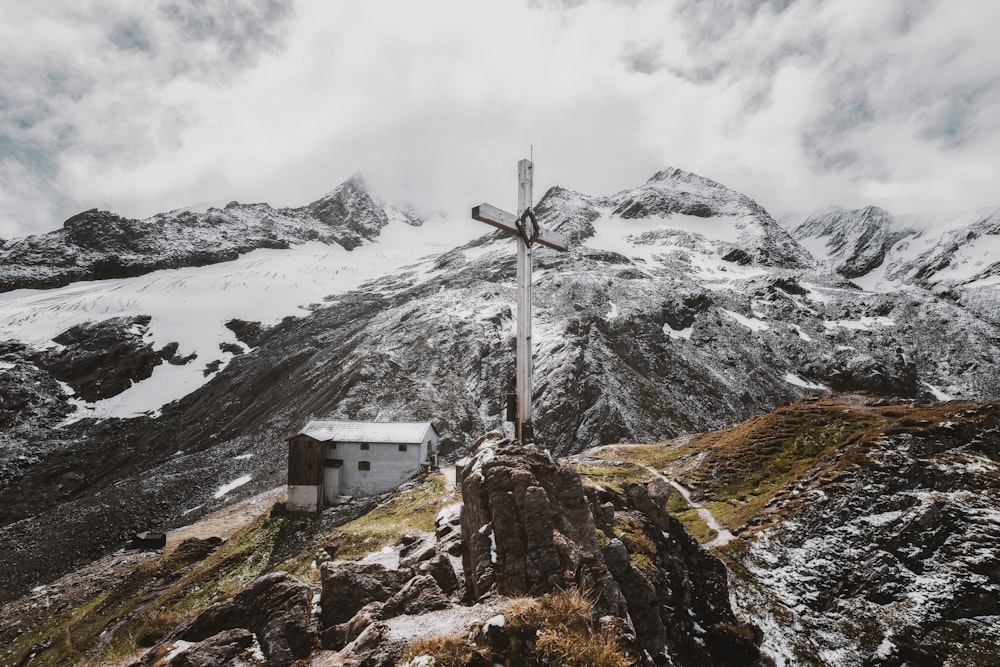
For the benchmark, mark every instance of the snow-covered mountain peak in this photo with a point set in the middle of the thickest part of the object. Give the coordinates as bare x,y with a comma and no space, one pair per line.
852,242
739,228
671,177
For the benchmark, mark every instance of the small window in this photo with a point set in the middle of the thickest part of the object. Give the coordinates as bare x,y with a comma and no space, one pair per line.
364,445
364,465
333,445
402,448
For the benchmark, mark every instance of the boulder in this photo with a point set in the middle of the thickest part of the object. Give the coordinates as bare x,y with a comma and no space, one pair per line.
419,595
441,569
349,586
528,527
276,607
229,648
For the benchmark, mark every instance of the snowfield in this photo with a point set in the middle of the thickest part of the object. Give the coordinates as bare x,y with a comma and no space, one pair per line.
190,306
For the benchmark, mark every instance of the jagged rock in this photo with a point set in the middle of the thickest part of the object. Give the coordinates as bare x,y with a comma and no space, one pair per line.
369,649
229,648
416,552
276,607
246,332
102,359
349,586
338,636
441,569
855,242
417,596
681,592
529,529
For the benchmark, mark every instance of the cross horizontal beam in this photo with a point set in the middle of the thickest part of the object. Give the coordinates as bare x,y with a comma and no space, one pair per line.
507,222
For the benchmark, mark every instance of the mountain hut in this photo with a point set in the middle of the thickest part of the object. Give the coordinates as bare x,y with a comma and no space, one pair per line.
328,460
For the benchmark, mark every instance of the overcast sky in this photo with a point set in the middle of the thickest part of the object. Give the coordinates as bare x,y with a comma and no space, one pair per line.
146,107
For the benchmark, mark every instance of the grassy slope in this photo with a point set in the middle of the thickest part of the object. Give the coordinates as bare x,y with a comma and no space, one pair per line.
738,471
145,599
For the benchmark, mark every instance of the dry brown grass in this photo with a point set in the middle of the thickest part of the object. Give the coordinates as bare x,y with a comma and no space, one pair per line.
451,651
738,470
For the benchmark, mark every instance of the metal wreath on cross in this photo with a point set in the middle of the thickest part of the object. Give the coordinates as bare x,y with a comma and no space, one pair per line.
528,215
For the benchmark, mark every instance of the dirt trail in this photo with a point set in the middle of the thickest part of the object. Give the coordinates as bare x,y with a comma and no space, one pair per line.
724,535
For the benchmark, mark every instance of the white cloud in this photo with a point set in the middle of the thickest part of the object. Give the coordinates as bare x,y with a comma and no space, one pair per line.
799,104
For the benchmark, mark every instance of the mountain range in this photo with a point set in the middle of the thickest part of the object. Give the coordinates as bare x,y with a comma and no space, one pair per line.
150,370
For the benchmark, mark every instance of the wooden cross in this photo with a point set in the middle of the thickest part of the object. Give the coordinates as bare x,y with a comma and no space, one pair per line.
526,229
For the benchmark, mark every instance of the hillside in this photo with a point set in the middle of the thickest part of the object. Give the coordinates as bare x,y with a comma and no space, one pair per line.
865,534
145,402
867,529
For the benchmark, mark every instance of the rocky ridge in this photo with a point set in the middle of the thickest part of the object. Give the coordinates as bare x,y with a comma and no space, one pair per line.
98,245
867,529
853,242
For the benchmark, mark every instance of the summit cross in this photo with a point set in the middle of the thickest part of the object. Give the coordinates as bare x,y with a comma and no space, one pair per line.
525,227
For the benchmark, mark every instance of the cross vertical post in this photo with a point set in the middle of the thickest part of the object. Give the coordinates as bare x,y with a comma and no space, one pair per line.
525,173
525,227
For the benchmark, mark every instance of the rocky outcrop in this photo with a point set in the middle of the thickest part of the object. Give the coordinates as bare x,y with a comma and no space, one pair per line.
102,359
276,608
854,242
528,528
896,531
531,529
350,586
229,648
677,593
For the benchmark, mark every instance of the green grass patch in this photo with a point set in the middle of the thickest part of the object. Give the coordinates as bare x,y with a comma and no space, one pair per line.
405,513
680,509
660,456
641,548
613,477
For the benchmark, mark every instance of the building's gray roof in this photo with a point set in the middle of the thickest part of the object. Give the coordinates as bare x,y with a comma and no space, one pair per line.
402,433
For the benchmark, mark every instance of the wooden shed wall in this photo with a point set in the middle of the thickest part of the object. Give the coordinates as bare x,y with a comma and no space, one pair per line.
305,461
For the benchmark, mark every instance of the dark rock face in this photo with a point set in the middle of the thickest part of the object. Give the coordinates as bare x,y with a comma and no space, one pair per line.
906,529
229,648
531,529
277,608
417,596
349,586
351,209
679,598
857,241
102,359
98,245
528,528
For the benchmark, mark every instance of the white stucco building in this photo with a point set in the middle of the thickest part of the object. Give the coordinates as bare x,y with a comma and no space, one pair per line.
331,459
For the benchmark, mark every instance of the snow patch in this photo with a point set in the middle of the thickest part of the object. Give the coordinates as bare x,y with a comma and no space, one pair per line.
863,324
420,661
751,323
791,378
493,622
448,514
678,334
802,334
937,392
178,647
190,306
226,488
